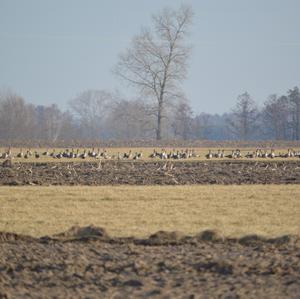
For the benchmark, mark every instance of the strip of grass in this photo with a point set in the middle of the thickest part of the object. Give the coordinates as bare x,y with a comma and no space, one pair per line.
269,210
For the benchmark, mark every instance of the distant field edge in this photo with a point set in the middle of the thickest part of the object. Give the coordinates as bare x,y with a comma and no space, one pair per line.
150,143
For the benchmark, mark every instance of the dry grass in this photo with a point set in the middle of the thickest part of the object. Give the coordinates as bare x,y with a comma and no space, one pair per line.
146,152
133,210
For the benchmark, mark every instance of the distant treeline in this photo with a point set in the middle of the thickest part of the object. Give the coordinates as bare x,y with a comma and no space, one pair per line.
101,115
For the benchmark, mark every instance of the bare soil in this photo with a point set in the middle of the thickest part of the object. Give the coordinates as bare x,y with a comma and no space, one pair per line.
85,262
151,173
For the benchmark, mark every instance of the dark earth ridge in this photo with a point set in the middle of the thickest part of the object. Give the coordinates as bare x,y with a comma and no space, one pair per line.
151,173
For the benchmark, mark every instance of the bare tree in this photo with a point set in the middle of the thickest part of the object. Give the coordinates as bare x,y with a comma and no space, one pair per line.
16,116
130,120
183,121
156,62
276,117
53,124
294,97
90,108
243,120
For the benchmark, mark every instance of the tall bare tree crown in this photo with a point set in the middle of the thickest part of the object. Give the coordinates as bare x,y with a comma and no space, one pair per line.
156,62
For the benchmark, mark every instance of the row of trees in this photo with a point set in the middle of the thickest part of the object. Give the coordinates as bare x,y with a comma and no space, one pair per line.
96,114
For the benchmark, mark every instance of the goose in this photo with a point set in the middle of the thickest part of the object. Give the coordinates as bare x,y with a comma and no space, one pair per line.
153,155
231,156
222,154
72,154
53,153
83,155
20,154
248,155
36,155
209,155
92,153
5,155
119,156
264,154
26,156
102,153
76,155
66,153
106,156
127,155
176,155
272,154
98,154
46,153
291,153
135,156
194,154
139,155
256,154
173,154
238,153
286,155
297,154
218,154
163,155
59,155
184,155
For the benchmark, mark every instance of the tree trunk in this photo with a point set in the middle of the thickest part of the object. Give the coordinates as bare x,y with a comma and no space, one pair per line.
159,118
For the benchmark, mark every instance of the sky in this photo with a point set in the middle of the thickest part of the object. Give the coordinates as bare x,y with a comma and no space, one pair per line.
51,50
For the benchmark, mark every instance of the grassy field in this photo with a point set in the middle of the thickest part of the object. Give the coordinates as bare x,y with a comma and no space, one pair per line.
132,210
201,152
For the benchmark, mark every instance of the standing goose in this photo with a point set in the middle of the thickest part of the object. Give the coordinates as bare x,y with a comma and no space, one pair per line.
5,155
127,155
272,154
83,155
209,155
26,156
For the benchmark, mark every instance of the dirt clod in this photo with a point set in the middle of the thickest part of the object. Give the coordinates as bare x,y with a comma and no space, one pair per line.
77,232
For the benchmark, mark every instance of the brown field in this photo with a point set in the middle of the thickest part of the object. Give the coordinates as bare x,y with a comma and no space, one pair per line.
100,173
96,263
253,205
270,210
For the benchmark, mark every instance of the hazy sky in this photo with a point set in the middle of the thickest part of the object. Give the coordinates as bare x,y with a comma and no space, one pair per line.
52,50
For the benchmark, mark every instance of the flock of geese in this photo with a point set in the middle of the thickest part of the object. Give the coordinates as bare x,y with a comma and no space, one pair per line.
258,153
162,154
70,154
